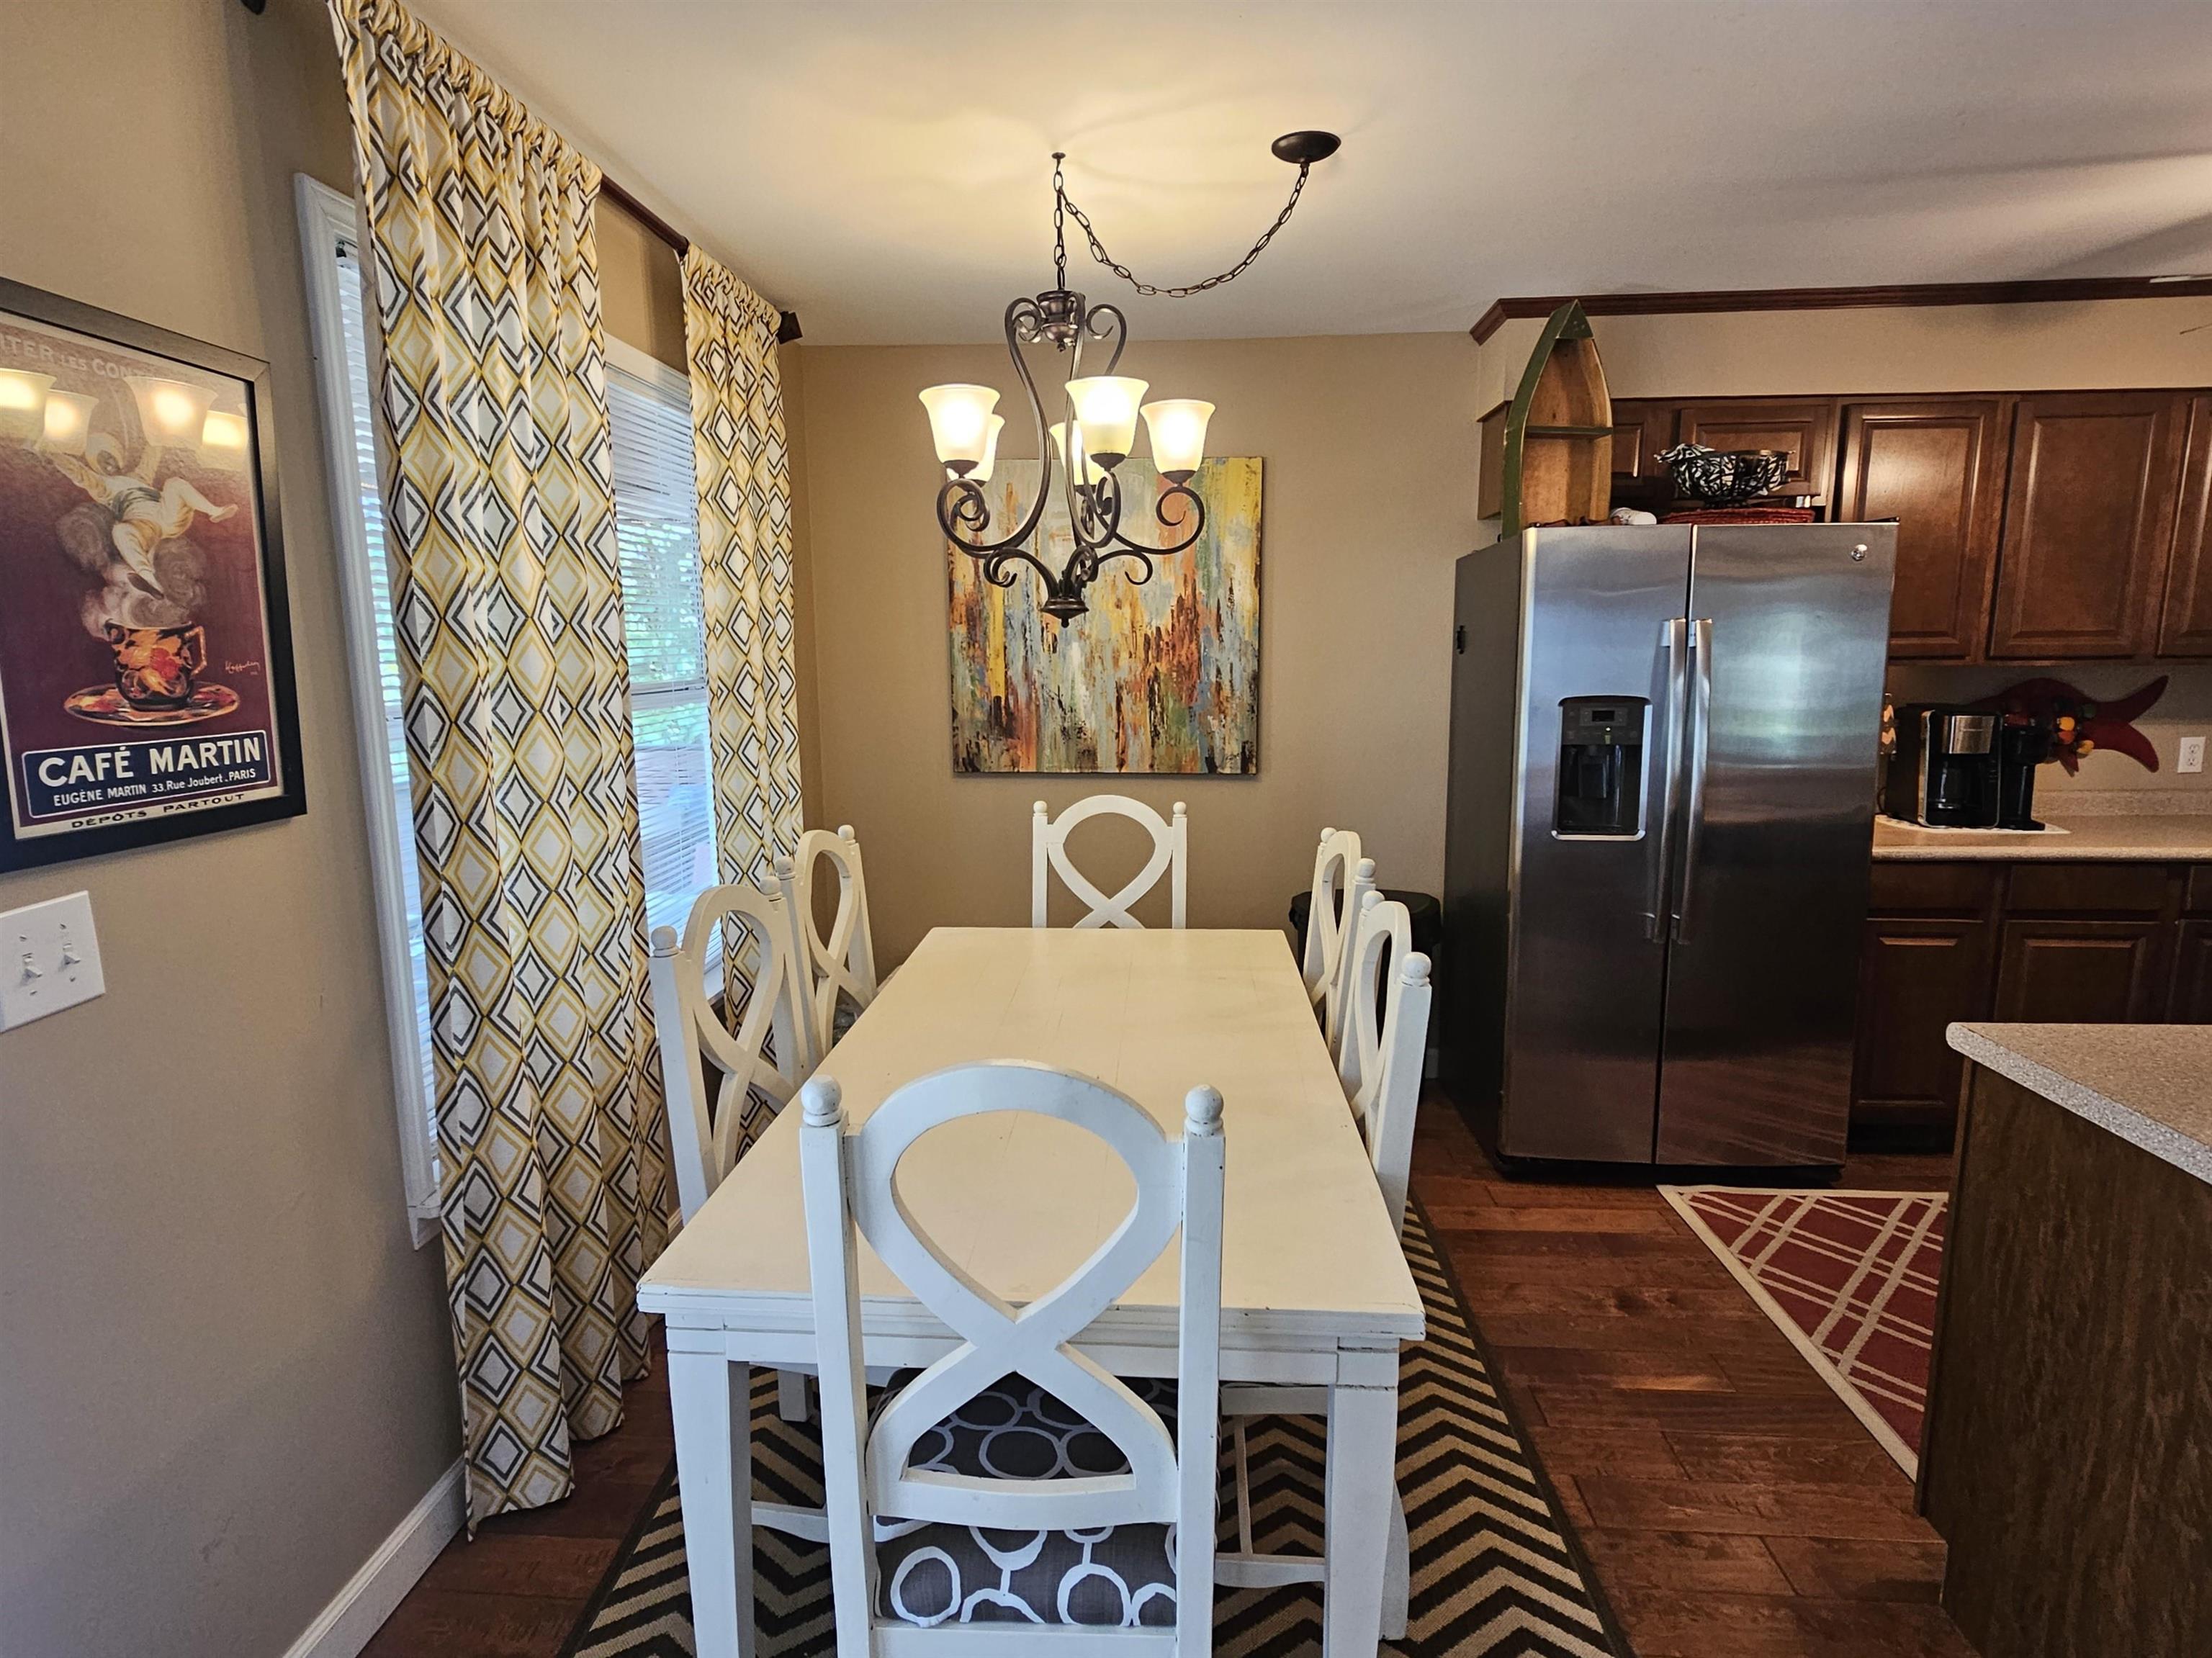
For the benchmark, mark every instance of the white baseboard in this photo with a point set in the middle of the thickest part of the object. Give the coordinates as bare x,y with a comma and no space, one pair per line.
342,1629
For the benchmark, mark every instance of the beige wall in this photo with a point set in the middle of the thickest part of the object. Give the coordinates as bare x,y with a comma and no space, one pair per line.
1365,441
640,288
226,1372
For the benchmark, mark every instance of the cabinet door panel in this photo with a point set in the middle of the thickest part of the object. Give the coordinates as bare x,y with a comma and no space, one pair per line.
1916,977
2080,973
1937,469
1805,428
2190,1001
2088,514
1641,428
2185,622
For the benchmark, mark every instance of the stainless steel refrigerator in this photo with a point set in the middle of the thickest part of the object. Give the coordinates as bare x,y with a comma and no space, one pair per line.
1661,807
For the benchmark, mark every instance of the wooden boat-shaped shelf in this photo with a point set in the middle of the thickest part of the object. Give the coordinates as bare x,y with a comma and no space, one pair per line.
1546,456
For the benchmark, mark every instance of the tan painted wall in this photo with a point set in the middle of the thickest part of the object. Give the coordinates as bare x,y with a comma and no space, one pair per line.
226,1372
1364,440
640,290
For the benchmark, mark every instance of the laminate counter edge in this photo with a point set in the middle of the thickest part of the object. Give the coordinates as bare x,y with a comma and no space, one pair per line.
2151,1085
2172,837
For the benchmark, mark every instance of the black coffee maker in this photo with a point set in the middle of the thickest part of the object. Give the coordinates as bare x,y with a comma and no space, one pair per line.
1947,770
2023,743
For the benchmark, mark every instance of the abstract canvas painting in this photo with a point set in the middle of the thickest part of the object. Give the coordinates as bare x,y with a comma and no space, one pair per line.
1161,675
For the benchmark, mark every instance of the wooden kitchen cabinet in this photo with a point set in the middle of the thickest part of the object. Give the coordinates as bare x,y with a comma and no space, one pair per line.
2090,513
1918,975
1642,428
1938,468
2034,942
1804,429
2069,972
2189,992
2185,618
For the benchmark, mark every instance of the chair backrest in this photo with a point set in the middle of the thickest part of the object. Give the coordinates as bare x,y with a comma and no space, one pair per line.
1336,994
1329,910
847,1183
1382,1062
1048,852
705,1143
840,969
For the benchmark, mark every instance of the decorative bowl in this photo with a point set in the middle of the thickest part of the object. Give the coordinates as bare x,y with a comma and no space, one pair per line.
1720,479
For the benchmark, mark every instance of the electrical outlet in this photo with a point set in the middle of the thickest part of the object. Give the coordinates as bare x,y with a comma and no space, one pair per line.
2192,754
49,959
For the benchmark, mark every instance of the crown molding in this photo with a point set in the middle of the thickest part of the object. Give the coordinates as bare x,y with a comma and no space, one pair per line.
2041,292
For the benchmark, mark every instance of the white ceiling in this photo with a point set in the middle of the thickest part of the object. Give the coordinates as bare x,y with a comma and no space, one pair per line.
885,169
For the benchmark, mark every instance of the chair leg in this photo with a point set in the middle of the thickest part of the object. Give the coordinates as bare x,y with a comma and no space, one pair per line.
791,1395
1397,1573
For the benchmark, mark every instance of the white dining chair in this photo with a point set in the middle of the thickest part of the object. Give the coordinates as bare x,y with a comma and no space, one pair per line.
1016,1482
1336,995
1329,913
839,969
1048,854
705,1123
1380,1071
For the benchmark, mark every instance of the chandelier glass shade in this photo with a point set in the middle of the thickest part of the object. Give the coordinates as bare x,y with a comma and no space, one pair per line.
1082,453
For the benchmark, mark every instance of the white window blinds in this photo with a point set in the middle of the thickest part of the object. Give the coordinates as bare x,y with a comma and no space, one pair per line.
656,518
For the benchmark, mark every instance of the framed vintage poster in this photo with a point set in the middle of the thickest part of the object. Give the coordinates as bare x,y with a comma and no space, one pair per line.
145,646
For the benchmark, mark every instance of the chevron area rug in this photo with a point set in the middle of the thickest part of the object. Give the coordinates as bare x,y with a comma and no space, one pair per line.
1497,1572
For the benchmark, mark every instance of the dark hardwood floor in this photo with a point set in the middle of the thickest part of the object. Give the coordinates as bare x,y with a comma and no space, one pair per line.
1732,1507
521,1586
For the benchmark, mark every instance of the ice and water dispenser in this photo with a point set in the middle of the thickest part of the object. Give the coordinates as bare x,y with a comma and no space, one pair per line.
1601,766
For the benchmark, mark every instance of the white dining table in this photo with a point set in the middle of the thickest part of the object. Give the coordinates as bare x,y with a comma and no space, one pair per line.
1315,1288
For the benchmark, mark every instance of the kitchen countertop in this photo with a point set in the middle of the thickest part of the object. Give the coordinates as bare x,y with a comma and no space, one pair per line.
2150,1085
2178,838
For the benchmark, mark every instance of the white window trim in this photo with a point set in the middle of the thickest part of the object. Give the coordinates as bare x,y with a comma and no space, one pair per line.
675,385
326,215
671,383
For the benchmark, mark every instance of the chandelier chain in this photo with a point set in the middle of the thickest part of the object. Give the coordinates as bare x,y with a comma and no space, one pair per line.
1061,201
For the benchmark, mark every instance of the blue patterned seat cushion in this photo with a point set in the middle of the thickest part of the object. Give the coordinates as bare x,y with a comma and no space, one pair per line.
1117,1577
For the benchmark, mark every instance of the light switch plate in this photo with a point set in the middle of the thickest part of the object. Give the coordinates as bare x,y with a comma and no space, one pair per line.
2192,754
49,959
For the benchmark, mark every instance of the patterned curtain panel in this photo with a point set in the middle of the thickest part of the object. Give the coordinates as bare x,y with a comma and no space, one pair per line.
498,501
745,557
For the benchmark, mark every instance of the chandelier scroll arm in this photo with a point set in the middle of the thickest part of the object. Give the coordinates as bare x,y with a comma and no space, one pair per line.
1141,556
1195,516
1120,330
997,566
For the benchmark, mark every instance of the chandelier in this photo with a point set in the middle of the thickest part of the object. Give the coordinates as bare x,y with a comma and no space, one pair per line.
1097,428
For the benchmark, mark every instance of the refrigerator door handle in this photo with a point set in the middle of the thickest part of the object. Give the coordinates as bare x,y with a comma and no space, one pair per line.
1673,640
1694,811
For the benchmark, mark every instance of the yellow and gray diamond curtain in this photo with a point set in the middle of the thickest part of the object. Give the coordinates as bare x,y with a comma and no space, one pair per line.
744,471
506,604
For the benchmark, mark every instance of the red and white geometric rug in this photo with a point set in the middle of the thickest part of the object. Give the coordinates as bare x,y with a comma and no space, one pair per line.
1850,1278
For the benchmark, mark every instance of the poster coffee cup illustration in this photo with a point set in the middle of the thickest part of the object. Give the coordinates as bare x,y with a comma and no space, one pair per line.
144,678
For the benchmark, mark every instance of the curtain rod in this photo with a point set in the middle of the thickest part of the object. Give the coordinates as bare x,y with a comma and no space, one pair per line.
786,329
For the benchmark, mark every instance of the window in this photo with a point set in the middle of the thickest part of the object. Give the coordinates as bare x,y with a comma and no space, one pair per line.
657,529
657,522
